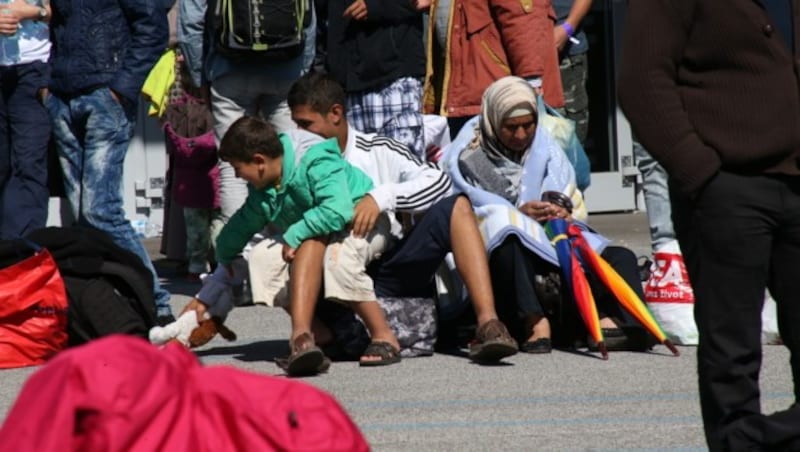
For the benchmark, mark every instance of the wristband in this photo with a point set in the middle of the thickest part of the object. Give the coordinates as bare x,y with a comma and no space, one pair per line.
568,28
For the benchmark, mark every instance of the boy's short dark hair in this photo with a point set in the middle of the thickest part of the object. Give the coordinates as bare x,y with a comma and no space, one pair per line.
318,91
248,136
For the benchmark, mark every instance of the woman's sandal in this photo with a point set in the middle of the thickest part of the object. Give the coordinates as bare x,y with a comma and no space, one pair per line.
306,359
538,346
387,353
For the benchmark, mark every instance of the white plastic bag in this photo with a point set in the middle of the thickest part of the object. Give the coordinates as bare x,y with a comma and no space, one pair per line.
670,297
671,300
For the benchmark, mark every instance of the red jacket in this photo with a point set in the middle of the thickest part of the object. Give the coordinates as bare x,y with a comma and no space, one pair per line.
488,40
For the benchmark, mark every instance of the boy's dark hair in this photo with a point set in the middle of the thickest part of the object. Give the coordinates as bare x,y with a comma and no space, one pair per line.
248,136
318,91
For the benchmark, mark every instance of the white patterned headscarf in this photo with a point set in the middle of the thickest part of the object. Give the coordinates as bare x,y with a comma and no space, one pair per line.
508,97
486,162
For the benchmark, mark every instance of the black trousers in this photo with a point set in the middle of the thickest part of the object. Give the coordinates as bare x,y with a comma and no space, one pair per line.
740,235
24,134
513,268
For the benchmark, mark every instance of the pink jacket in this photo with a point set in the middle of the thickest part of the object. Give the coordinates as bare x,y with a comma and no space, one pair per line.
120,393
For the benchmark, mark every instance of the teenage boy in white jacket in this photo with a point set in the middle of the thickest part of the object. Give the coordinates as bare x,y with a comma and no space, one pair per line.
417,190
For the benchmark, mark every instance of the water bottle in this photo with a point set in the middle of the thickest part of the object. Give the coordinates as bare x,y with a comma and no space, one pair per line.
9,45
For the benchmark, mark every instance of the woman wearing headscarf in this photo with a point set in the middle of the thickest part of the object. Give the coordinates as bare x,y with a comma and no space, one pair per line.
505,164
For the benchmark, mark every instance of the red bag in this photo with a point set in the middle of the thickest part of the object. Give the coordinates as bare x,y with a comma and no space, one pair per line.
33,311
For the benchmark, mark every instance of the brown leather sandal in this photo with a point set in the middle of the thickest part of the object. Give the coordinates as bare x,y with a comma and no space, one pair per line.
492,343
387,353
306,359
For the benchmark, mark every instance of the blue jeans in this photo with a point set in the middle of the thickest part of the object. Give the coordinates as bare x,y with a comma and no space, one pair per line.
92,132
24,133
656,197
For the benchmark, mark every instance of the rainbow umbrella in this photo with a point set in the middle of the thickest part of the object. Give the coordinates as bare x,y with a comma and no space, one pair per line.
575,281
618,286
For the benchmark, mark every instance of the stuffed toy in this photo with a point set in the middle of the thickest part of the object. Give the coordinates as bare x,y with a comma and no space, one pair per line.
190,333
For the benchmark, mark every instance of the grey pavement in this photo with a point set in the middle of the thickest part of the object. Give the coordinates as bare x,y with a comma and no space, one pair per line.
562,401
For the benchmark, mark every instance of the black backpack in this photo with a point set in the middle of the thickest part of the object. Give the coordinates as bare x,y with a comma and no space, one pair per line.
267,30
109,288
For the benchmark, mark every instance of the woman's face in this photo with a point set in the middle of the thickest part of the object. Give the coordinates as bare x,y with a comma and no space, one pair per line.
517,133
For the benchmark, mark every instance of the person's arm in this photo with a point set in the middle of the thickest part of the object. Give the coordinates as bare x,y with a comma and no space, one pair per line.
384,11
561,33
527,35
334,205
416,185
149,34
249,219
655,37
191,23
22,10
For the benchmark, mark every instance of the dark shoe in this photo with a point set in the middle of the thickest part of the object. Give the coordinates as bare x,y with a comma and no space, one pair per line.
387,353
306,359
283,363
492,343
539,346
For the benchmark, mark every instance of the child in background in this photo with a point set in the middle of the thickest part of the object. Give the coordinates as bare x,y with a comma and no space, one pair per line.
193,165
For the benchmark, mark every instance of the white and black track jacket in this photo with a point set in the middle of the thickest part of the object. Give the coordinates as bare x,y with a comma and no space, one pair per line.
403,183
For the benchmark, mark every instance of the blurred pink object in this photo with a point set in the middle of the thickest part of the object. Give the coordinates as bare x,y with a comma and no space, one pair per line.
120,393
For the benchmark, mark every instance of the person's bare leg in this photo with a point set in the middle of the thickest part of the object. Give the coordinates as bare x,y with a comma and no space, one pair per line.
375,321
305,283
471,259
492,340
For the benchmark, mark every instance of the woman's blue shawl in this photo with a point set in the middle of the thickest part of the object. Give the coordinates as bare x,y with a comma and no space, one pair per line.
544,168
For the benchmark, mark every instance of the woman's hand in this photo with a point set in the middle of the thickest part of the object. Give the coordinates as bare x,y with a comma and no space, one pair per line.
542,211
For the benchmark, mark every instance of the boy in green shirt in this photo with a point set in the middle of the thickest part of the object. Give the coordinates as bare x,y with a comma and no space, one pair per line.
308,192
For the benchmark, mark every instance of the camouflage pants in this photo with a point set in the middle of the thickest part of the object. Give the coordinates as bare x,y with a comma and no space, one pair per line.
574,72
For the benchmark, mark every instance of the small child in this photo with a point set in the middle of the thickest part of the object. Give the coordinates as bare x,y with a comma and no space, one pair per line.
195,176
307,191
